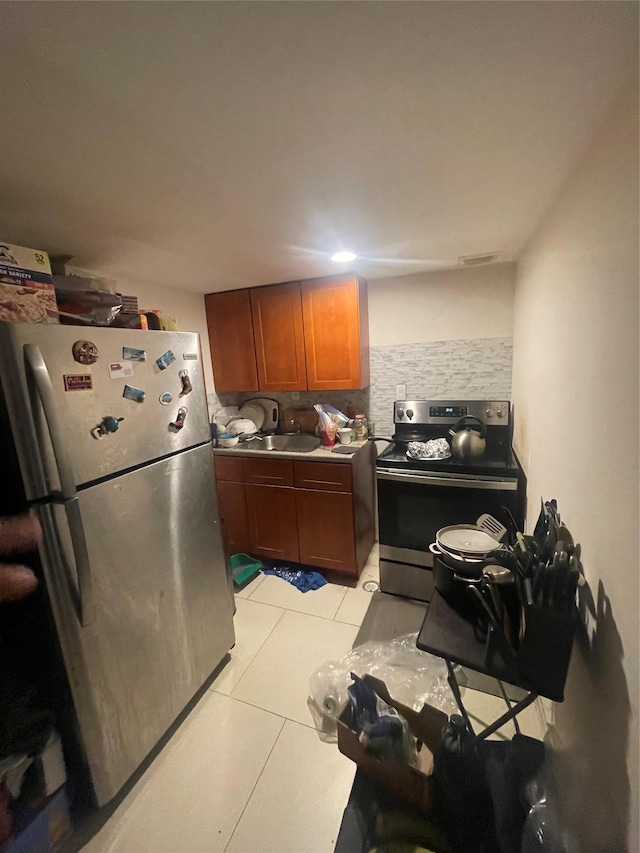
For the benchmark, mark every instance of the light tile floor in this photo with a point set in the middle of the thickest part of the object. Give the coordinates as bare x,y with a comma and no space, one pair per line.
246,771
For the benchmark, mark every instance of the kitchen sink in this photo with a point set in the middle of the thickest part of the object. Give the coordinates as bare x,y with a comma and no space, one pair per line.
290,443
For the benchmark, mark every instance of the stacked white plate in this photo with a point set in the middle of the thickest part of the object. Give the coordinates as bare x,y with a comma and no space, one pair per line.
254,412
263,411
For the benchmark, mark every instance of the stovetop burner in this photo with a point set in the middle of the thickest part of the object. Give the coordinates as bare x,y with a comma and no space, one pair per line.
420,420
496,460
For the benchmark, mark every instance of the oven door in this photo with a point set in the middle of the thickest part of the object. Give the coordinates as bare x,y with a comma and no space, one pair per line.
413,506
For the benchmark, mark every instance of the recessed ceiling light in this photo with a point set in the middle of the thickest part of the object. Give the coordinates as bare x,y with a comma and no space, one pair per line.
343,257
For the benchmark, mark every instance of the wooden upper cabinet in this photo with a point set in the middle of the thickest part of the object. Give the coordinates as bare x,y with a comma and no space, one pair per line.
231,340
336,330
294,336
279,337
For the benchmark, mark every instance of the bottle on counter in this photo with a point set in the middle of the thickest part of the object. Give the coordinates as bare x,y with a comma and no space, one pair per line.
360,428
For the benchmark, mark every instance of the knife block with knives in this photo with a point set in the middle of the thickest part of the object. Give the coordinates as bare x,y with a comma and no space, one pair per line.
545,649
541,606
548,619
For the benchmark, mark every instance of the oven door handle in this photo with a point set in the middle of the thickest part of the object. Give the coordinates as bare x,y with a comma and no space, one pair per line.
470,482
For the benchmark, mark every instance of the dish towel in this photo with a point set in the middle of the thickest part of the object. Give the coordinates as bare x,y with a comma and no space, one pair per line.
304,581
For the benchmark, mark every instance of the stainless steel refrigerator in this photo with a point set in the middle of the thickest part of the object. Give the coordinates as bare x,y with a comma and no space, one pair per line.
107,434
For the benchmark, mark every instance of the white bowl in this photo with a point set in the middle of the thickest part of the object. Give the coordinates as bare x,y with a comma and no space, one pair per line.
230,441
242,425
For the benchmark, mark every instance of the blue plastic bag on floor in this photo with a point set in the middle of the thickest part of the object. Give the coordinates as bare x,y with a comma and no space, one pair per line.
304,581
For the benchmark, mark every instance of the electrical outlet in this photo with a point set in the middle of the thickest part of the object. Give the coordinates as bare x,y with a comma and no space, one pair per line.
295,395
401,392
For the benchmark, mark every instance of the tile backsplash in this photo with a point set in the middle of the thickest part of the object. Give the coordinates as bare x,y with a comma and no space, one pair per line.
340,399
473,369
470,369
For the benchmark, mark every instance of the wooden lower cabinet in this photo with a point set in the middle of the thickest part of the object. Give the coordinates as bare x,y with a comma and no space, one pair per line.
233,515
325,529
273,529
316,513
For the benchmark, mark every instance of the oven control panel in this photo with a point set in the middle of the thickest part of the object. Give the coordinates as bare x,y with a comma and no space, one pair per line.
491,412
448,411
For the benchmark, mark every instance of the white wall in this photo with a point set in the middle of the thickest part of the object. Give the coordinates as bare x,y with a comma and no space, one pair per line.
575,391
441,306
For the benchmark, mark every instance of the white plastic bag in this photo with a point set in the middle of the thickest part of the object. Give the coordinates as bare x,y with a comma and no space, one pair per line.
413,677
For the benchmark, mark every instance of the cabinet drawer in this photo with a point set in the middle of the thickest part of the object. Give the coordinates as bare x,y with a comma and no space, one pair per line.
228,468
268,472
326,476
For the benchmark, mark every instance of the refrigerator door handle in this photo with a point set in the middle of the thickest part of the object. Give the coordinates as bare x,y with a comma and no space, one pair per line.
81,556
37,371
71,579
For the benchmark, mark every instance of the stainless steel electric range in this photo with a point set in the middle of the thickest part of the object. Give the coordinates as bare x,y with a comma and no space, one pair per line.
418,497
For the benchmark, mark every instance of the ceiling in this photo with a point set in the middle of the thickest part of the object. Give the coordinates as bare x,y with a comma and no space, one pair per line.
210,146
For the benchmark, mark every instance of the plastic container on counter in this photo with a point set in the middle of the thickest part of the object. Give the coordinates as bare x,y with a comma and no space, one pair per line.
360,427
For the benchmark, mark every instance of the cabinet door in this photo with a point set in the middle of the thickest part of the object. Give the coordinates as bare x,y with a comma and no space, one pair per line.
326,531
279,337
336,329
231,340
273,528
233,514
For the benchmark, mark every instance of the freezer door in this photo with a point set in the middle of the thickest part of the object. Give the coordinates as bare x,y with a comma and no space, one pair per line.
85,394
161,607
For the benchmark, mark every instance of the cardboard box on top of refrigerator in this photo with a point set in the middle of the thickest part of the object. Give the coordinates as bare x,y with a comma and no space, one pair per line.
19,264
27,294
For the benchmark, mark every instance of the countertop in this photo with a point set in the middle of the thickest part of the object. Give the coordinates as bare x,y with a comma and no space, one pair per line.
320,454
